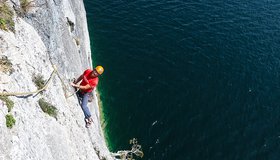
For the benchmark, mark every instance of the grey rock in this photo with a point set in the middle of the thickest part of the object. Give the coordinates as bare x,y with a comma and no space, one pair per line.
43,39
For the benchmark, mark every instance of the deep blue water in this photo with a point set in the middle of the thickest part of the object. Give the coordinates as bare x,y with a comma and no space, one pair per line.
192,80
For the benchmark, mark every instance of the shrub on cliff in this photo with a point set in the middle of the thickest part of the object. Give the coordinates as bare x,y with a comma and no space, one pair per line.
10,120
25,6
38,80
6,17
3,25
5,64
9,103
48,108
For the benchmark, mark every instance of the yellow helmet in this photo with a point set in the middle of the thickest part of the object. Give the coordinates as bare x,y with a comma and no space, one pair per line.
99,69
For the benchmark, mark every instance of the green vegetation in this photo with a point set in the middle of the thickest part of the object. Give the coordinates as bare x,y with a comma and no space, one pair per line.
25,6
5,64
48,108
10,121
6,17
38,80
3,24
9,103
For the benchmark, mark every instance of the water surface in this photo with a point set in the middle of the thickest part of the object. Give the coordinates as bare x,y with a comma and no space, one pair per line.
189,79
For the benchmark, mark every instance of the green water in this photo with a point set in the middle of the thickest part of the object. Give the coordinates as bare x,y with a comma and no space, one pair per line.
189,79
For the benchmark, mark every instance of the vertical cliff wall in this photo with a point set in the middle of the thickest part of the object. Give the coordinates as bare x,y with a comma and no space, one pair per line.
50,33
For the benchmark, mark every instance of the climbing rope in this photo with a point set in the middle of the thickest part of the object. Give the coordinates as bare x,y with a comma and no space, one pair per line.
29,93
39,90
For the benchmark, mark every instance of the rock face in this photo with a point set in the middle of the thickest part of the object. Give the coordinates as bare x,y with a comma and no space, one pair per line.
51,33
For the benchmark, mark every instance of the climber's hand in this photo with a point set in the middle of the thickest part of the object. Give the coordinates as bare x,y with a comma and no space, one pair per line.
74,85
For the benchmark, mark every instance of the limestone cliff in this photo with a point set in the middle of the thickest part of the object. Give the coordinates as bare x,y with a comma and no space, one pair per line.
48,33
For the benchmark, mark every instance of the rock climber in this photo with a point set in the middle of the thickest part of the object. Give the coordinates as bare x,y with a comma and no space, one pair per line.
89,81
